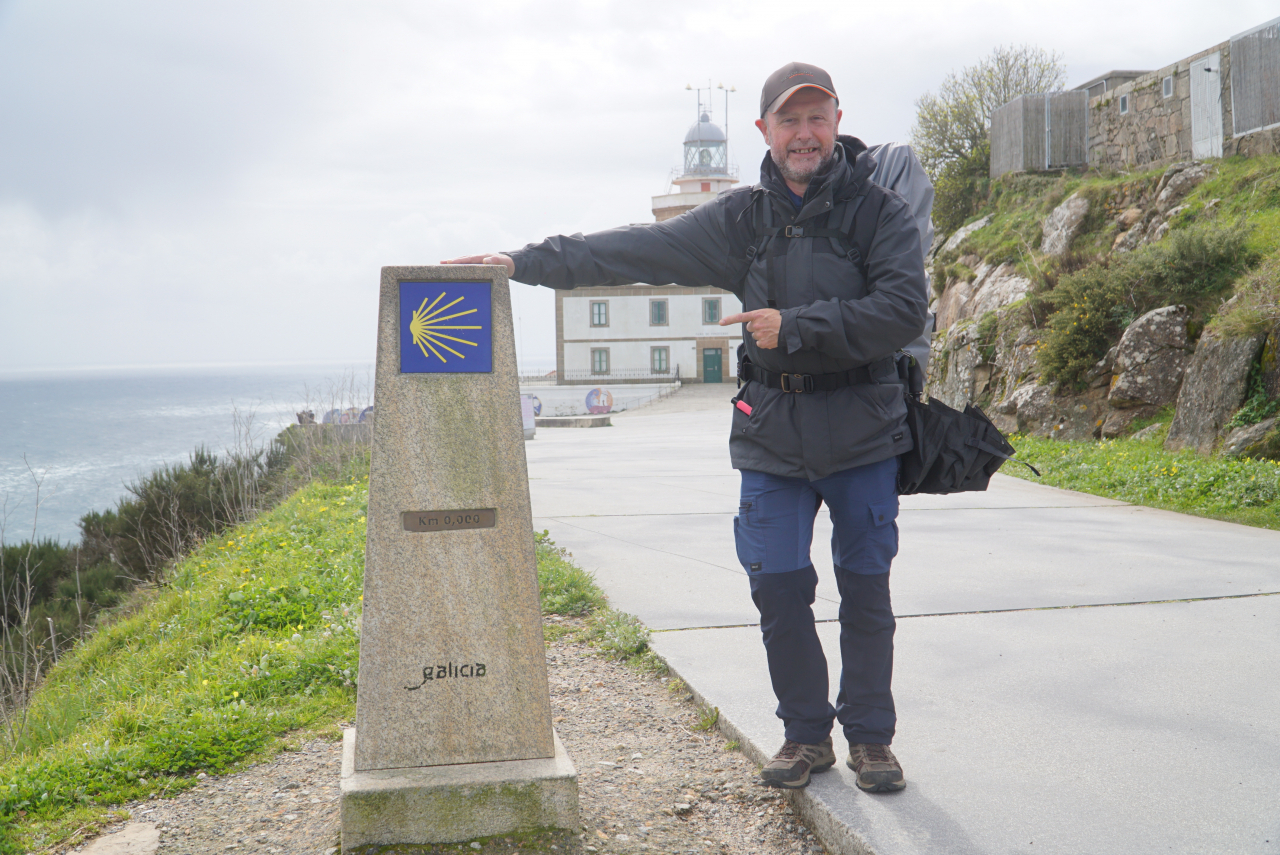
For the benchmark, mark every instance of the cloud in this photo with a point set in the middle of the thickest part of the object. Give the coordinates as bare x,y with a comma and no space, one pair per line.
222,181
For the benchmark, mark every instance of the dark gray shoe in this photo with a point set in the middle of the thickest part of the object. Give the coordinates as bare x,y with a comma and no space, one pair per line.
795,761
878,770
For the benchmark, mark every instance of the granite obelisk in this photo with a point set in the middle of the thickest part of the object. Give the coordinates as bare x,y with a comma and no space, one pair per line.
453,736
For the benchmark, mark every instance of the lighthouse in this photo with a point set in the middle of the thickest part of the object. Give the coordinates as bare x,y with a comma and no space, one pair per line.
706,169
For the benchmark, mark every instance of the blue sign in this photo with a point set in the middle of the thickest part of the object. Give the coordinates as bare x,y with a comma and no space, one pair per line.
446,328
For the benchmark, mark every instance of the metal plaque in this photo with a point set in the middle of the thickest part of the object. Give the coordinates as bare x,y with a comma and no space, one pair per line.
449,520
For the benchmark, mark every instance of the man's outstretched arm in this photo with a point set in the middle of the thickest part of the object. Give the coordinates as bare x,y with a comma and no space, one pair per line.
690,250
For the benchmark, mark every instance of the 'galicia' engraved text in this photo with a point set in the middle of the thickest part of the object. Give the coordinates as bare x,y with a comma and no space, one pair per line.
449,671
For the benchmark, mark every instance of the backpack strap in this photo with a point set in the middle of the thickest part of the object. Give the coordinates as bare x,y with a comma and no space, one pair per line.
853,236
744,246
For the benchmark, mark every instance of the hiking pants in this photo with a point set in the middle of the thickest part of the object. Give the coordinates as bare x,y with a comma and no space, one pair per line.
773,531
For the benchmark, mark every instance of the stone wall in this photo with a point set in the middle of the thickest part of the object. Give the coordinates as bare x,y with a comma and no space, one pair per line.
1157,130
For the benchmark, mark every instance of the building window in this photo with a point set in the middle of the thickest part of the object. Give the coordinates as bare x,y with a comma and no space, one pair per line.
711,310
600,360
660,359
1124,104
599,314
1168,86
657,313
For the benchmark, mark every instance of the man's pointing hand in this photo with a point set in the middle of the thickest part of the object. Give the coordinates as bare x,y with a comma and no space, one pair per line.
492,258
763,324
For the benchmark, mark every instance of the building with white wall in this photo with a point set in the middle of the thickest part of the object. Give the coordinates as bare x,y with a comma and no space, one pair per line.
648,333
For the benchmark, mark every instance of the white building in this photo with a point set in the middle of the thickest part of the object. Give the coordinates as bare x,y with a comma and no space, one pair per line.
645,333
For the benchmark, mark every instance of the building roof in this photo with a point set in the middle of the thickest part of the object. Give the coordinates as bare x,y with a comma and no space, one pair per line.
704,131
1120,75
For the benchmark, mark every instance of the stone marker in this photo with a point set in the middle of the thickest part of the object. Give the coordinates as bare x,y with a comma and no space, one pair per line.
453,736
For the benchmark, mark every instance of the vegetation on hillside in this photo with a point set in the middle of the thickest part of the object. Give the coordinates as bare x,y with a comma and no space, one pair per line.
1225,243
250,644
1141,471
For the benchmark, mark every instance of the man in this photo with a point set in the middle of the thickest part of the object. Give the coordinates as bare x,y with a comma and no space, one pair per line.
821,416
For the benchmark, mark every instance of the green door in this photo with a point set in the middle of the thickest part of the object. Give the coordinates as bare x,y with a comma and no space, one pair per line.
711,371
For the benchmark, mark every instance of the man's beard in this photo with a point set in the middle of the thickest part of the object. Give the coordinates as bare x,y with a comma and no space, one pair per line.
804,176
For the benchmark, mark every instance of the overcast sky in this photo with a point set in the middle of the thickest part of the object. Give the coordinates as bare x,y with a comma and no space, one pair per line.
204,182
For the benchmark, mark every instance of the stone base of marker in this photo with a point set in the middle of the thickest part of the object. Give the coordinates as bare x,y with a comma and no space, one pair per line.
450,804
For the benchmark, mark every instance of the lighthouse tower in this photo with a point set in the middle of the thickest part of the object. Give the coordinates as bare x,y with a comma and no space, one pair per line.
705,172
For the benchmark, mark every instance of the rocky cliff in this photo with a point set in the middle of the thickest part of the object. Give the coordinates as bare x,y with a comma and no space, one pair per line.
1004,328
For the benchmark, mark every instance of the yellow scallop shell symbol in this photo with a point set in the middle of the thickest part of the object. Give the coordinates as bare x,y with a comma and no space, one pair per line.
426,328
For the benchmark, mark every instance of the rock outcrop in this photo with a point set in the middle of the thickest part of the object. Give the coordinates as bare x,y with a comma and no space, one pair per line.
1152,355
1213,388
1063,224
992,288
963,232
1260,440
1034,409
1179,180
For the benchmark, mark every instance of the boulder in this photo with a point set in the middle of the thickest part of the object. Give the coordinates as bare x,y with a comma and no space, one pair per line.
1260,440
1015,362
997,289
1213,388
1063,224
1036,410
1152,355
1129,218
1116,423
963,232
1148,432
951,370
1178,180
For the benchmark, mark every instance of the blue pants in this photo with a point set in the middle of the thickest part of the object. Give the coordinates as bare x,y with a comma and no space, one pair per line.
773,531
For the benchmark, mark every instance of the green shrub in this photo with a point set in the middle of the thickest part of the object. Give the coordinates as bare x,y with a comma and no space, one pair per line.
1091,307
961,189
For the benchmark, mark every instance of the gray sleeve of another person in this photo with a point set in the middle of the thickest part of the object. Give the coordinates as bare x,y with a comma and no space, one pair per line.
898,169
691,250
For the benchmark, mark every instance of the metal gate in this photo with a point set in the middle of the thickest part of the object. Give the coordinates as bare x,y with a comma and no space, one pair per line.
1206,107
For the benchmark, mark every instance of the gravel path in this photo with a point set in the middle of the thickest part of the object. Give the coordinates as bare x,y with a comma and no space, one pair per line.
648,782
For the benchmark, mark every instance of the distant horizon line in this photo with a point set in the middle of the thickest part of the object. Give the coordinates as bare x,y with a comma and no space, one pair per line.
177,367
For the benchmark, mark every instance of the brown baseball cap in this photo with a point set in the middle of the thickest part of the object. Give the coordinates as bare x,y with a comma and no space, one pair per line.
784,83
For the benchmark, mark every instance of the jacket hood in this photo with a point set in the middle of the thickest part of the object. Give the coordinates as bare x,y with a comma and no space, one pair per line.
851,166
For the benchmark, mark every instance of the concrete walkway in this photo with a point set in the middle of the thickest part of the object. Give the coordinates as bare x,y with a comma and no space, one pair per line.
1073,675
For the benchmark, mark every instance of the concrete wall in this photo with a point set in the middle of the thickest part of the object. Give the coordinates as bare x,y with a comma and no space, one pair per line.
1157,129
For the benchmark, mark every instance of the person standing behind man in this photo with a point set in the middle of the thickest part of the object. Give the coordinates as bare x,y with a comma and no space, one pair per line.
820,416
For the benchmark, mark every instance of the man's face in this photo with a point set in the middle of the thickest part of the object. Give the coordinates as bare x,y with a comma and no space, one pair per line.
802,134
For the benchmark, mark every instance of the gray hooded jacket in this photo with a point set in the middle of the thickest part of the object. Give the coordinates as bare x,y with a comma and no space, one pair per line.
833,319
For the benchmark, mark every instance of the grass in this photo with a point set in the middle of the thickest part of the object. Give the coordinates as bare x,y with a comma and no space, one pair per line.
1141,471
254,639
252,646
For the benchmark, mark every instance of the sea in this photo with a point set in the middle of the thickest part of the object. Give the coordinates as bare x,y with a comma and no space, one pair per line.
72,442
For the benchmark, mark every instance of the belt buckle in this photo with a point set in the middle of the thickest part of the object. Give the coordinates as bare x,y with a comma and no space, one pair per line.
805,383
